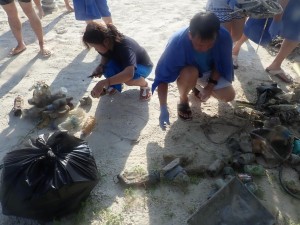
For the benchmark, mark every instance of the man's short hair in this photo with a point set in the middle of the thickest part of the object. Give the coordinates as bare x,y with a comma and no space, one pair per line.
205,25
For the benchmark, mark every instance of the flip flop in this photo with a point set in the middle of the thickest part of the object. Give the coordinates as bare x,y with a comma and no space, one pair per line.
184,111
45,53
15,52
235,61
281,75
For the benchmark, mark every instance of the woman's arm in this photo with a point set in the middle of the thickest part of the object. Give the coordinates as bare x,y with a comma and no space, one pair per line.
124,76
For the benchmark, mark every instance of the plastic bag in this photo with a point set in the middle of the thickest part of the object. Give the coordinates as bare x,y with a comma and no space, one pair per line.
49,178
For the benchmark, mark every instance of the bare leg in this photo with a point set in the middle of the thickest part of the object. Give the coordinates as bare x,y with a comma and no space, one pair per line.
36,25
186,82
237,47
226,94
286,48
237,28
38,5
15,26
227,26
68,6
139,82
107,20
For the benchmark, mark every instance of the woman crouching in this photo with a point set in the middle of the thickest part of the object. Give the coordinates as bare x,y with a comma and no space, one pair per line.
123,60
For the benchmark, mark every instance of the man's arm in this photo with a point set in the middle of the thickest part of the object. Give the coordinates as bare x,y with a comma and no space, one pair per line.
162,91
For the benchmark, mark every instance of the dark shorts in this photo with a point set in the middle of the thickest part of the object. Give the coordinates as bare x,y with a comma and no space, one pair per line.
5,2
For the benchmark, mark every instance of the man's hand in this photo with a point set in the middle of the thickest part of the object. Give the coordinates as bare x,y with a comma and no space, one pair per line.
98,89
206,92
164,119
98,71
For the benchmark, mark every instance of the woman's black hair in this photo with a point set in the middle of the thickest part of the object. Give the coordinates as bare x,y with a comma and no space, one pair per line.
205,25
96,33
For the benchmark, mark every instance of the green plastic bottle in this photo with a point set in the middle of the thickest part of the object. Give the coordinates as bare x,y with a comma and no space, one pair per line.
255,170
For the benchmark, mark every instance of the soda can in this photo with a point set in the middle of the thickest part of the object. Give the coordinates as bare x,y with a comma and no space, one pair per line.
245,177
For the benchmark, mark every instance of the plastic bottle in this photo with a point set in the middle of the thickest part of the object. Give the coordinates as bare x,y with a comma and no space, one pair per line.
246,158
255,170
251,186
88,125
215,168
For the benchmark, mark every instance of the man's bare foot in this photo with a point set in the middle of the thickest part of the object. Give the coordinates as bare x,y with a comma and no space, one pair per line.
40,13
69,8
17,50
45,53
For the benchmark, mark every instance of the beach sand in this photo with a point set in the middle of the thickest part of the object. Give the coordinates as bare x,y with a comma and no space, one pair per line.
127,135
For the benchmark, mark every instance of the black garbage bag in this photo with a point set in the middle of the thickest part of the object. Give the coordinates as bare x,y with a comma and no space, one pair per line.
49,178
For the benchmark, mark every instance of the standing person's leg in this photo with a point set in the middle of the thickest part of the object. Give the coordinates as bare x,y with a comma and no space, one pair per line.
186,82
15,26
286,48
36,25
275,68
38,5
237,28
104,11
236,50
68,6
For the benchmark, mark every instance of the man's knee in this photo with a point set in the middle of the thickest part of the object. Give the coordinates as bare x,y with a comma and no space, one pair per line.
225,94
188,75
230,95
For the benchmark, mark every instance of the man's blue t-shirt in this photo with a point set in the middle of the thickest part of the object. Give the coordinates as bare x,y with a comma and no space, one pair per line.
204,60
180,53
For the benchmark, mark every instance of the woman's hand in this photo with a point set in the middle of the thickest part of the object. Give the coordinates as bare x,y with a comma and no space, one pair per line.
98,89
98,71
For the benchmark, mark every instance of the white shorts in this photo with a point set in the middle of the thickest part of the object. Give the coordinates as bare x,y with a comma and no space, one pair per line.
202,81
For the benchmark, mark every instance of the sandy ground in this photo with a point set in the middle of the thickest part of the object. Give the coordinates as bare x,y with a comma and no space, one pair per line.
127,135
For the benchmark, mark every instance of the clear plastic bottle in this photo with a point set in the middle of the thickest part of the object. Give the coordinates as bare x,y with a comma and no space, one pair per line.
255,170
88,125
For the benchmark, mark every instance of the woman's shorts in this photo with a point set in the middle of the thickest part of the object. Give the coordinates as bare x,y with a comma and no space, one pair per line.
222,10
90,9
112,68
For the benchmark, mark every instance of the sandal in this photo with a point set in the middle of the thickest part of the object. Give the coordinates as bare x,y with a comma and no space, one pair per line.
145,94
235,62
281,75
184,111
16,51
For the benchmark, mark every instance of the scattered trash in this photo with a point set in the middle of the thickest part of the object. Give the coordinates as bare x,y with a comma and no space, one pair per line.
171,172
18,106
88,125
232,204
85,101
255,170
215,168
246,158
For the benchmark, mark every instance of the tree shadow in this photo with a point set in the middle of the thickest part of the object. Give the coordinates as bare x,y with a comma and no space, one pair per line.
16,77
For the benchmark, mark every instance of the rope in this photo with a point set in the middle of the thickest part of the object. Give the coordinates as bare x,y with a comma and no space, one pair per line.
262,33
